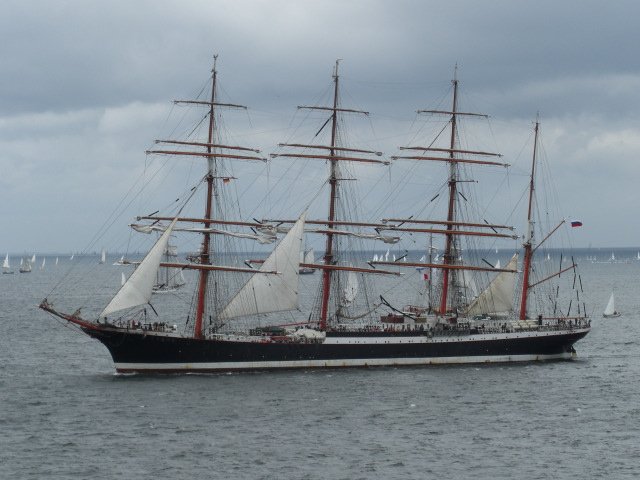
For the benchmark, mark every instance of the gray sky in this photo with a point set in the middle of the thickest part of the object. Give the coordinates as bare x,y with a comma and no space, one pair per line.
85,87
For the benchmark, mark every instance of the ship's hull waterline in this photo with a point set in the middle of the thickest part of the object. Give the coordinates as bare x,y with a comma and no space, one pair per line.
149,352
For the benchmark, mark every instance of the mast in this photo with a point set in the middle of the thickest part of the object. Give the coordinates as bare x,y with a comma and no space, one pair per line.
204,255
447,258
528,243
454,228
430,279
333,182
334,154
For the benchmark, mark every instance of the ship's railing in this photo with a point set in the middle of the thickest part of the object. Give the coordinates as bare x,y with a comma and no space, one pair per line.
469,328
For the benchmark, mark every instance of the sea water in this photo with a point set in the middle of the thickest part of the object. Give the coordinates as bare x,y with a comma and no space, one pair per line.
64,414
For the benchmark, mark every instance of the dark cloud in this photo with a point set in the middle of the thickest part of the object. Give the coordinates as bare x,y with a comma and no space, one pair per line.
85,85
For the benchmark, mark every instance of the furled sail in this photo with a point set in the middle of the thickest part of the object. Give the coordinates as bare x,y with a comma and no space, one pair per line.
498,296
272,293
137,289
262,239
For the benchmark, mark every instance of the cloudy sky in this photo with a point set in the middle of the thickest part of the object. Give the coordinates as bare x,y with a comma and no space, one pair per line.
85,87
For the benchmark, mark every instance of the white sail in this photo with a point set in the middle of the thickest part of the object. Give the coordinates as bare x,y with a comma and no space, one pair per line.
56,260
375,257
43,262
497,264
266,293
103,256
498,296
5,264
138,288
33,259
71,257
611,306
351,290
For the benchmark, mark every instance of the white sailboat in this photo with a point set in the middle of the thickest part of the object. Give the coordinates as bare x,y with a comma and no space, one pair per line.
610,310
33,259
168,279
25,265
307,257
43,262
103,256
56,260
6,267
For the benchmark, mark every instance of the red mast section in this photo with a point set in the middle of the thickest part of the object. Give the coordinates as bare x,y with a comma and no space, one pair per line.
204,254
528,243
447,258
333,182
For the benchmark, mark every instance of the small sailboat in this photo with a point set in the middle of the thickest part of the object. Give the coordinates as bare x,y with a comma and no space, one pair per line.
103,256
307,257
610,311
25,265
56,260
33,259
6,267
168,279
71,257
43,262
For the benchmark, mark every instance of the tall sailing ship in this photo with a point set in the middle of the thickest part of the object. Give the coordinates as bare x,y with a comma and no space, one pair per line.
347,325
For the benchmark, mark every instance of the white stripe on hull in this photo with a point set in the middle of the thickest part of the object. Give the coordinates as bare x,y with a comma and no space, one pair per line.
370,362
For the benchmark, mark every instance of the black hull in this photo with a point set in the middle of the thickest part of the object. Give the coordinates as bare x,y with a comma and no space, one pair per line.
135,351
